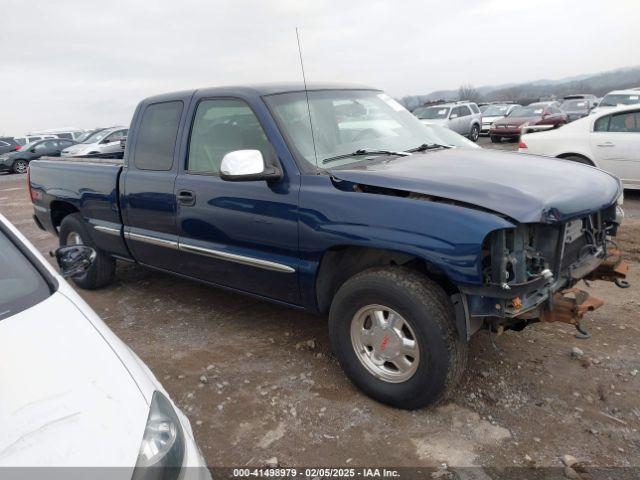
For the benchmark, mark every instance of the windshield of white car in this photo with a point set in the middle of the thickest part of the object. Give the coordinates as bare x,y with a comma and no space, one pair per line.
431,113
96,137
614,100
495,110
526,112
21,285
569,105
346,121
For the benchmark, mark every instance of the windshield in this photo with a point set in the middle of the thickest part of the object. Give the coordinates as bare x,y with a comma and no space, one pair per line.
372,121
570,105
29,145
495,111
526,112
431,113
96,137
21,285
614,100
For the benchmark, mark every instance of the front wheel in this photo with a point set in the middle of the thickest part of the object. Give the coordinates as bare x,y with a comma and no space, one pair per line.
392,330
20,166
475,133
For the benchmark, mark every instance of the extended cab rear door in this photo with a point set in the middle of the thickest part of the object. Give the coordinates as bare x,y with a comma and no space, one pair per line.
242,234
147,183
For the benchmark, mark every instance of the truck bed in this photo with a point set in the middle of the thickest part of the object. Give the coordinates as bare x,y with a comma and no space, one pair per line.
85,185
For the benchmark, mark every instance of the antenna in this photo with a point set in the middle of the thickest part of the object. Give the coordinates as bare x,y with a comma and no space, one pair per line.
306,93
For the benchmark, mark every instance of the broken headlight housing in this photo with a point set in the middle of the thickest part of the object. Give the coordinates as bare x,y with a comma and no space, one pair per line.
519,255
162,449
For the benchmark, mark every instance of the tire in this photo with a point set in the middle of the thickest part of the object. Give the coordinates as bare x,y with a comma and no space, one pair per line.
475,133
428,313
102,272
495,139
20,166
577,159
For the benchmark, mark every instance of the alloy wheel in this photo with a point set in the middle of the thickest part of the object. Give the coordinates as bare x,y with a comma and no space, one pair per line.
385,343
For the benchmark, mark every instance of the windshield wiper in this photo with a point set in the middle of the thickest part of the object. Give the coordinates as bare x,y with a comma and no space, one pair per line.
363,152
428,146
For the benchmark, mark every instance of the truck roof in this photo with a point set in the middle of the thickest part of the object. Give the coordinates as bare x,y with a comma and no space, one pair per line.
258,90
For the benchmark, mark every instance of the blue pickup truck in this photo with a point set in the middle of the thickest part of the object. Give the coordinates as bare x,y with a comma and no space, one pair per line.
337,200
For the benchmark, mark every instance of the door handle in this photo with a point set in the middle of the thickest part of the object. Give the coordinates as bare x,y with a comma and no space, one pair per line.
606,144
186,197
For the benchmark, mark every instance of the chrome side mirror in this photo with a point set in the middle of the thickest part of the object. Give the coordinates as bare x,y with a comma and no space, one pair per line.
246,165
74,260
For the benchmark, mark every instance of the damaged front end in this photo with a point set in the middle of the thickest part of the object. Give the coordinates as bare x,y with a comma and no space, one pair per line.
530,273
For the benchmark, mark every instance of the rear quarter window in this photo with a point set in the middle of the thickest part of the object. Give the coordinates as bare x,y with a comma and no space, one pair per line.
156,140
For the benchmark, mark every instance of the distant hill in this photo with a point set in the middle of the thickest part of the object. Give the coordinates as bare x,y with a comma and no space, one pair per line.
598,84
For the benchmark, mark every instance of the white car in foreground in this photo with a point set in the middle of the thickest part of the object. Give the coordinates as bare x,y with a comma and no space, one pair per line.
73,394
609,140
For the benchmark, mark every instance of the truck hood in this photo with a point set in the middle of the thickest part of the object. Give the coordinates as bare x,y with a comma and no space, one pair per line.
67,399
525,188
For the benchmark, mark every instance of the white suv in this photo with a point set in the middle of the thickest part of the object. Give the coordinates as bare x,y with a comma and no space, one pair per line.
461,117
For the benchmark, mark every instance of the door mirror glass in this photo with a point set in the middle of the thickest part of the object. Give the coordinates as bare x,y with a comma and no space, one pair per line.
74,260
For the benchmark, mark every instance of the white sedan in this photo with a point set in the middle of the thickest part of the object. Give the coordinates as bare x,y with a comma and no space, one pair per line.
73,394
609,140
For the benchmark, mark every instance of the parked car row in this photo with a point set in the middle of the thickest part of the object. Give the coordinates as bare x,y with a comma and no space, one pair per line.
18,161
15,155
492,117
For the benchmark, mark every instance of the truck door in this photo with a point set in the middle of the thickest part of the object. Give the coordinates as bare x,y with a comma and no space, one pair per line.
244,234
147,185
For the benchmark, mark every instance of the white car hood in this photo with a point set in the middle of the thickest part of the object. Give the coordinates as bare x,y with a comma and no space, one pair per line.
492,118
66,397
78,147
436,121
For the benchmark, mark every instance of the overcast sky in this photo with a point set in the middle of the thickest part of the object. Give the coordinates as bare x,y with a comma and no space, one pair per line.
84,63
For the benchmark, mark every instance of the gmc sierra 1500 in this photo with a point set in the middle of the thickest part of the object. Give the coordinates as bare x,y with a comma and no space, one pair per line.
337,200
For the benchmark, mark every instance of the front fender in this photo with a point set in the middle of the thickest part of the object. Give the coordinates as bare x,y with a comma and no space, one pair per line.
447,236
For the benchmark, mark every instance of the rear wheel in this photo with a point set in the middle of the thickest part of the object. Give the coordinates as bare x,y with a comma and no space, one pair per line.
475,133
495,139
393,332
20,166
73,231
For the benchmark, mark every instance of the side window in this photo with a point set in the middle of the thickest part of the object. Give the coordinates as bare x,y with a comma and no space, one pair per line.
602,124
456,111
65,143
465,111
474,108
626,122
157,136
3,144
220,127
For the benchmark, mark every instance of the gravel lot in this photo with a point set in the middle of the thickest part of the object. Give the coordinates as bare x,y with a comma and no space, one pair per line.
273,388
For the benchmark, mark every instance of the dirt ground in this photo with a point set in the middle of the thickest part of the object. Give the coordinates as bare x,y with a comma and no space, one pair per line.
523,402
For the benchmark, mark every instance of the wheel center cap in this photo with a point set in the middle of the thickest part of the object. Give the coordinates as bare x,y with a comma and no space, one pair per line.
386,343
